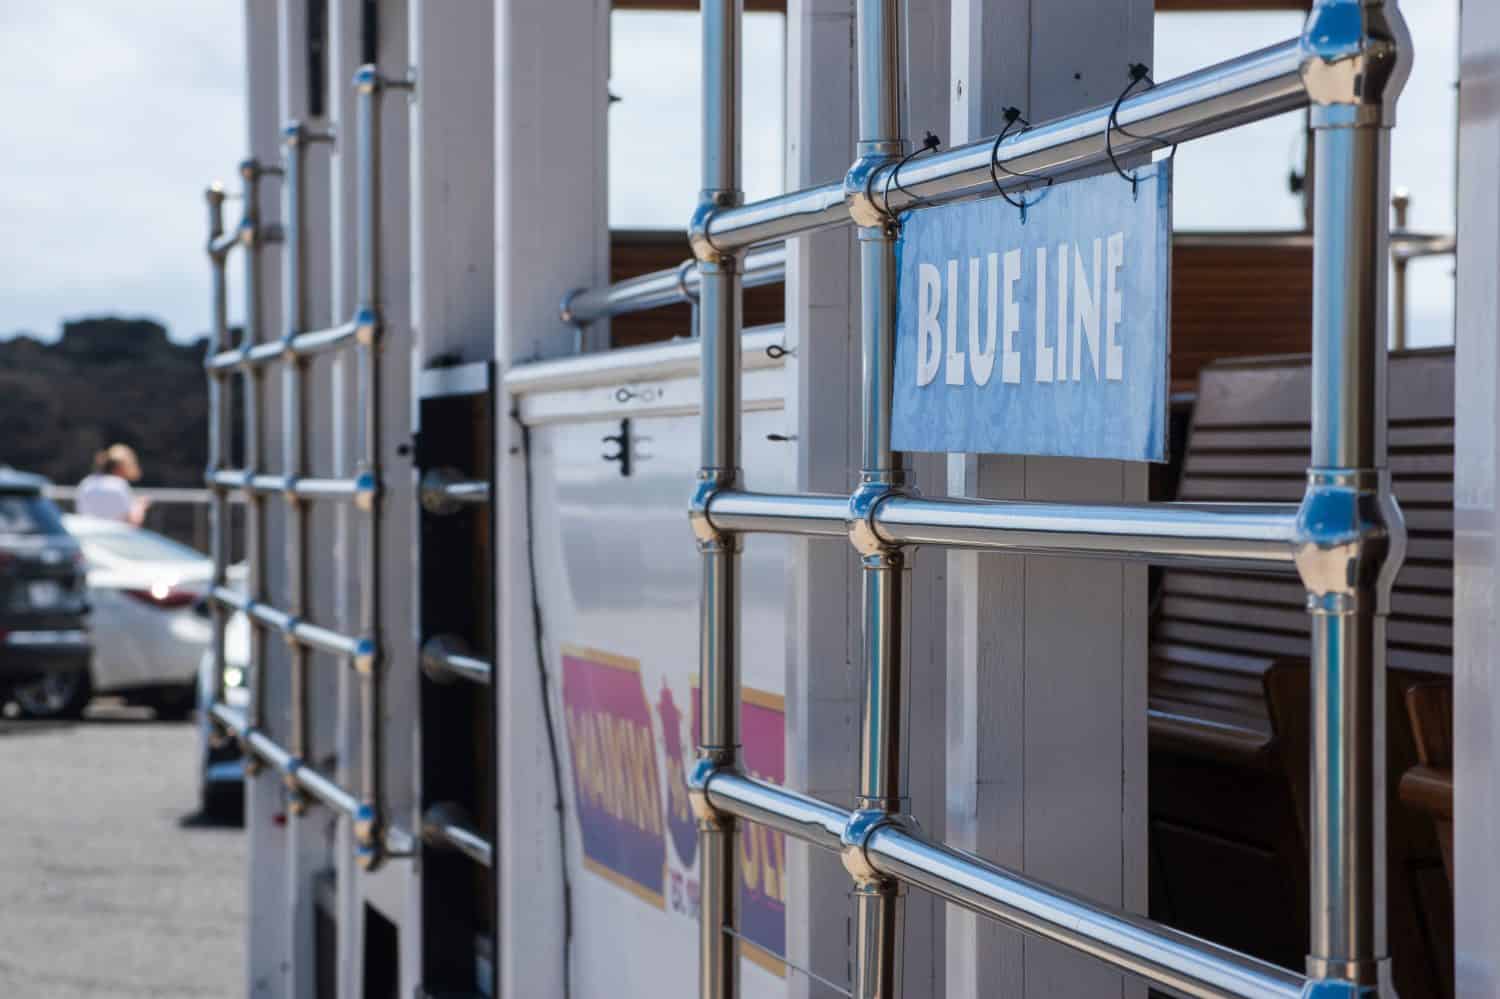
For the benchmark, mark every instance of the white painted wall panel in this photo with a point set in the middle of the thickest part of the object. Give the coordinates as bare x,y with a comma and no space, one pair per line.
1047,664
1476,636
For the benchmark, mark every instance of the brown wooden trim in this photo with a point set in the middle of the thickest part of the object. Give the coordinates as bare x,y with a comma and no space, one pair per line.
1230,5
779,6
776,6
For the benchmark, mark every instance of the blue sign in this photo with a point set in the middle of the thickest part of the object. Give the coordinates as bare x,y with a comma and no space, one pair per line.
1046,336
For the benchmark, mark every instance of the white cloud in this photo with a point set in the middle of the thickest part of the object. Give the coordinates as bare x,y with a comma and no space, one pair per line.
117,116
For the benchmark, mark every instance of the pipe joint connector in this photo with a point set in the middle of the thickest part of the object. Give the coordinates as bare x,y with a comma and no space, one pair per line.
1330,978
874,489
366,79
1356,56
435,654
366,657
434,491
366,491
856,840
369,839
711,481
711,762
296,798
865,202
366,326
709,203
1349,539
565,308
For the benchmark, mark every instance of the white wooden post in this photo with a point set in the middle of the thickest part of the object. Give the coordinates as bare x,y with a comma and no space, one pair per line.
308,849
551,236
822,328
344,57
269,956
1047,656
822,311
1476,584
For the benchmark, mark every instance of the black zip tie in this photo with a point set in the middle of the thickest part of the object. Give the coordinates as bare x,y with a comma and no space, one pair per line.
1138,71
930,142
1013,115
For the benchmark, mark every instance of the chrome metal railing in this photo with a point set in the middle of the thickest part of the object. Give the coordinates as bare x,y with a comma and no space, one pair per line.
251,360
1345,539
1405,247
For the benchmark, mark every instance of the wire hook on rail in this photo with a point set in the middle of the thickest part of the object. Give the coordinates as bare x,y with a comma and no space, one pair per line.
930,143
1013,115
1139,72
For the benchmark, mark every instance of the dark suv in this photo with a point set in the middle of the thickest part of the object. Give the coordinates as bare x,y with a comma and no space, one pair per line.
43,591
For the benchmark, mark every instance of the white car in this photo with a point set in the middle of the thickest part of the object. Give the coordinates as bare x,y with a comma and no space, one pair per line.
149,622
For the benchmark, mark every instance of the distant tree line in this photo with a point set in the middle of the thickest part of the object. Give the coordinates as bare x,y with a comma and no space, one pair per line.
106,380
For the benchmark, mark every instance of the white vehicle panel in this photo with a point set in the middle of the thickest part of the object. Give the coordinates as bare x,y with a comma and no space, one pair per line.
618,583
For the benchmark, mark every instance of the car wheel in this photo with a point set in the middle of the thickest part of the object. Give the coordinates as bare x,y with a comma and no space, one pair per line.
173,704
56,695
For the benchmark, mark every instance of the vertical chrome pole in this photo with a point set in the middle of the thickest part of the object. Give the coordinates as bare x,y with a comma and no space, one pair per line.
369,825
882,792
253,399
1350,538
294,435
719,315
218,432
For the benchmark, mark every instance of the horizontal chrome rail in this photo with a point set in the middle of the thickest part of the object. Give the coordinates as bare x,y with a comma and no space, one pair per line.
446,490
230,598
798,815
359,490
321,787
1411,246
270,752
1229,534
314,636
809,514
156,495
319,341
1250,88
666,287
1244,535
1259,85
1178,962
447,827
446,657
1167,958
220,245
301,345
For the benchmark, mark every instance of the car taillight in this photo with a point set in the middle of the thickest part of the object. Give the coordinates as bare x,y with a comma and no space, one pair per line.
165,597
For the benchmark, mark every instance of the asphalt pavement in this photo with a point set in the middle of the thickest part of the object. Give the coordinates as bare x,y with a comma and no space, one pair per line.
110,884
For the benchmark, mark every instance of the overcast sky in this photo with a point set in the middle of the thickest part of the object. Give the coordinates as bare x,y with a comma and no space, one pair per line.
117,115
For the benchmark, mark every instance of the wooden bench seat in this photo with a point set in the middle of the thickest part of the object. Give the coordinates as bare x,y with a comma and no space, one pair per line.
1228,685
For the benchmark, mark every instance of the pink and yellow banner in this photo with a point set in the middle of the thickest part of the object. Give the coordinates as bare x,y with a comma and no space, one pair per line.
616,784
762,852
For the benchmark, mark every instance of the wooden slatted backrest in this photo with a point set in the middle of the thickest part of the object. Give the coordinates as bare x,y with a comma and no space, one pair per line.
1215,635
1250,440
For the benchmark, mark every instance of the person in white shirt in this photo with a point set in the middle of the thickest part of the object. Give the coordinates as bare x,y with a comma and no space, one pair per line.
107,492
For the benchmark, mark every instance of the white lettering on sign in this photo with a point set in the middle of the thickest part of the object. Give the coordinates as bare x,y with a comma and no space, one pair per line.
1087,320
929,303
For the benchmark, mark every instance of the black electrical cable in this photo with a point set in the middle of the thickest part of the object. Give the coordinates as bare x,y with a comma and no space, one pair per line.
541,665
